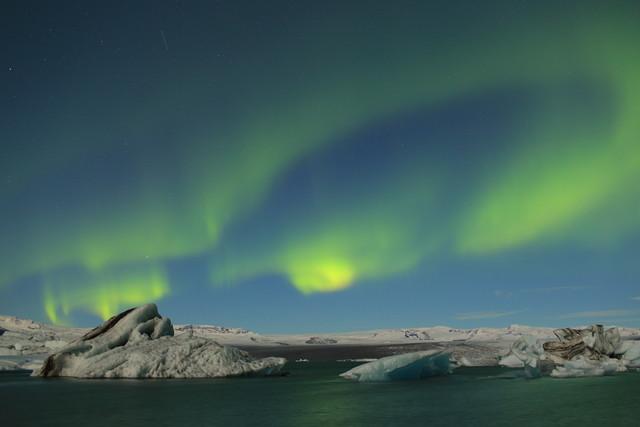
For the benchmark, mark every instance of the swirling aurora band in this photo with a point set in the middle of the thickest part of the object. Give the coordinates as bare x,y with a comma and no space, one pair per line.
268,170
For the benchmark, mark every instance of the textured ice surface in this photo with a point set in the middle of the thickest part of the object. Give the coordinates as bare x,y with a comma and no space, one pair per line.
408,366
167,357
528,349
592,351
140,344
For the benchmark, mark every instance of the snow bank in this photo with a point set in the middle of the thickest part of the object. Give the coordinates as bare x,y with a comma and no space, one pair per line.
408,366
139,343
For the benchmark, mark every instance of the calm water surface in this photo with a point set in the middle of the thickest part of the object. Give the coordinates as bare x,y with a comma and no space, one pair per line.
313,395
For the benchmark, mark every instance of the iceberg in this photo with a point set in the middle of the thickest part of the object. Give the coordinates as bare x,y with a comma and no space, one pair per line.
592,351
408,366
139,343
529,352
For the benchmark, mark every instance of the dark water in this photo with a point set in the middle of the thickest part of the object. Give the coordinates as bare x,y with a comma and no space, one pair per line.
313,395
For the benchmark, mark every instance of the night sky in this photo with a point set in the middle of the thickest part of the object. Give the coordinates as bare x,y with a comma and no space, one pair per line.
321,166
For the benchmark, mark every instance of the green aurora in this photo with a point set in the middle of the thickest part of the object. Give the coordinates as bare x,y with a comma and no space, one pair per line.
199,150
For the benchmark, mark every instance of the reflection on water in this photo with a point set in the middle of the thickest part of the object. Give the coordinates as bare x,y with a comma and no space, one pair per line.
313,395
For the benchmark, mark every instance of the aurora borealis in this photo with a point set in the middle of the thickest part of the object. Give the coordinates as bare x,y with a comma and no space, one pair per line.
321,165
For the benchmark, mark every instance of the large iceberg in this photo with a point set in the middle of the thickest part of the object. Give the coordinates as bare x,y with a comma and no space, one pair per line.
591,351
408,366
139,343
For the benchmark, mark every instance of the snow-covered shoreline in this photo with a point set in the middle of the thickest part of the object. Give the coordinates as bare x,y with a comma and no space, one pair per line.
25,344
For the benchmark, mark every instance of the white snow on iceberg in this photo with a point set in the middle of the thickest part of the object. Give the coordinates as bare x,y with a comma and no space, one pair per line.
408,366
139,343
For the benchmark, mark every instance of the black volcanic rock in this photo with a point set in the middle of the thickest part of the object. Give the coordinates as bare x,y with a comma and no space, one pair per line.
320,340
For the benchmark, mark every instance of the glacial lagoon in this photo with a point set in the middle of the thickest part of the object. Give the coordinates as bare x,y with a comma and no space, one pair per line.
314,395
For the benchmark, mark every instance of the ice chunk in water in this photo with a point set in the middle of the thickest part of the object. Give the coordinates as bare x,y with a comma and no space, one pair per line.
408,366
583,367
630,352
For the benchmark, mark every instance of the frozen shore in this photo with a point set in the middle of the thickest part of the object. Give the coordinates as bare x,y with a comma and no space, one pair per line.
25,344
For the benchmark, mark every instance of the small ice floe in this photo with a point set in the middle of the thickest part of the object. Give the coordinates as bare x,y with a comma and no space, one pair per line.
9,365
20,364
408,366
302,360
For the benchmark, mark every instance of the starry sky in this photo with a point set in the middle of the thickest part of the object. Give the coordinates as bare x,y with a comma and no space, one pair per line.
295,166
